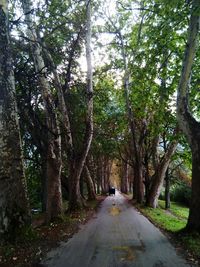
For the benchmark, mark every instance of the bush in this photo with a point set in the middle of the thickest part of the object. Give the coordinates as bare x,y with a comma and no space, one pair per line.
181,193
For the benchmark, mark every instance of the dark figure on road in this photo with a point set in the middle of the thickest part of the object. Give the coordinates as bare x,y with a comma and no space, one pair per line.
111,191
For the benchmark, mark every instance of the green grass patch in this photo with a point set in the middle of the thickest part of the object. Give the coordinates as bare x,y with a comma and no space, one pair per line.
177,209
163,219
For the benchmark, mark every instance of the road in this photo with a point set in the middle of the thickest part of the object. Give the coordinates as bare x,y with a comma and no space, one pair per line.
119,236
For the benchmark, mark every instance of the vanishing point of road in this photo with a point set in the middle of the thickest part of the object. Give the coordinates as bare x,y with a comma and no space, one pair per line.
118,236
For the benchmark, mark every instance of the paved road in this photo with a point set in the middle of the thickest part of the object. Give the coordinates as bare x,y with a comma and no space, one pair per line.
119,236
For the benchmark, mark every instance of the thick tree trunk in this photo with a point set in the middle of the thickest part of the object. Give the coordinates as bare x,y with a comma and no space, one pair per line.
167,190
138,185
188,124
147,177
14,207
76,200
158,177
194,214
53,156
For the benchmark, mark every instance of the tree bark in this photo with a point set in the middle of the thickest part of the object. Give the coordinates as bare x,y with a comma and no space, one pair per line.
187,122
14,206
158,177
75,200
124,178
53,156
90,184
167,190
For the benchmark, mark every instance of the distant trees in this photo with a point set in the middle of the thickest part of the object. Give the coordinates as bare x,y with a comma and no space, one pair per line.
145,62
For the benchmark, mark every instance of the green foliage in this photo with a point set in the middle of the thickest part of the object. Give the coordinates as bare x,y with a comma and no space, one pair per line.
108,117
181,193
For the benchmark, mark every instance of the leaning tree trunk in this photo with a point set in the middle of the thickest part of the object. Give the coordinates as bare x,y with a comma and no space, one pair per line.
158,177
14,207
53,156
90,184
75,200
188,124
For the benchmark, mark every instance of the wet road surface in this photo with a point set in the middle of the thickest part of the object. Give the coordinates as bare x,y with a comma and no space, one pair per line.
119,236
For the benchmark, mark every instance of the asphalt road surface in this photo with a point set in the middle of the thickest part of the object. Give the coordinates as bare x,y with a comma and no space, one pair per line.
119,236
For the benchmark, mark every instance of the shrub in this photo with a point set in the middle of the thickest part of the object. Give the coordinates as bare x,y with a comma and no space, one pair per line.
181,193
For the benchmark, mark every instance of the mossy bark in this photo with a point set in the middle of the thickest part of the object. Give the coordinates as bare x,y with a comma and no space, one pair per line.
14,207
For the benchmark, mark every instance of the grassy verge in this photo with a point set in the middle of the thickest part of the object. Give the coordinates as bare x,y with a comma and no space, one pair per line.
173,222
164,219
177,209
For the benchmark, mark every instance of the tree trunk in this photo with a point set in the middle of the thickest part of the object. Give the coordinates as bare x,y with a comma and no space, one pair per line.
167,190
53,156
124,178
146,176
158,177
193,223
75,200
14,207
138,186
90,184
187,122
99,177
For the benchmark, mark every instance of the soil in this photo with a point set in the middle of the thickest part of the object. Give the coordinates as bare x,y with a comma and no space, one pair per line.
30,251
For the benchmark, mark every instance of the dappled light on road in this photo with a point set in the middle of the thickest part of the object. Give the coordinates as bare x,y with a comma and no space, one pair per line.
126,253
114,211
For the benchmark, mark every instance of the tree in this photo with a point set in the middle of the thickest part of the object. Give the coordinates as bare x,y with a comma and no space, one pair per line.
53,154
187,121
78,162
160,171
14,206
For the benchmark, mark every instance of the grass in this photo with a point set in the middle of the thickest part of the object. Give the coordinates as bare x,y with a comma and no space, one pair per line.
164,219
174,221
177,209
